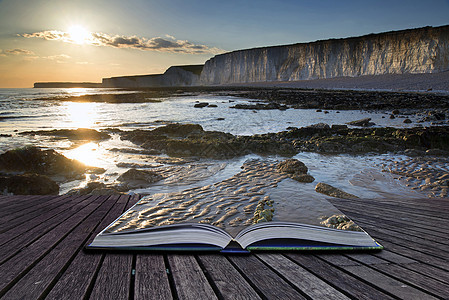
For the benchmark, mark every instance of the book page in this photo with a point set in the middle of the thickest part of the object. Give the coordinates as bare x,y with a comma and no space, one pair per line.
260,192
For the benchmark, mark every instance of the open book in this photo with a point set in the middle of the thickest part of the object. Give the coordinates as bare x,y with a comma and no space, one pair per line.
256,209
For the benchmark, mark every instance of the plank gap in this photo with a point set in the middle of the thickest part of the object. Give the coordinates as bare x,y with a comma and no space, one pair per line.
171,280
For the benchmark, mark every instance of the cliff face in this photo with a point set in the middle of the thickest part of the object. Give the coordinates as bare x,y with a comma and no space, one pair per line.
422,50
174,76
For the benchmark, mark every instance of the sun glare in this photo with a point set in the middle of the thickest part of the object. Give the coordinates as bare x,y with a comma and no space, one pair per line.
78,34
89,154
81,115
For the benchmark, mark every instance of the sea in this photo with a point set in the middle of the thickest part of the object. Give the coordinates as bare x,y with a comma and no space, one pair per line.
44,109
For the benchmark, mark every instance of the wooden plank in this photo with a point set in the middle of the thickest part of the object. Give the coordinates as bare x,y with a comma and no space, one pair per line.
262,278
429,284
387,283
415,254
21,228
400,213
76,280
428,248
189,279
226,278
340,280
15,240
395,221
308,283
425,232
151,278
8,202
20,263
116,284
23,205
27,214
43,275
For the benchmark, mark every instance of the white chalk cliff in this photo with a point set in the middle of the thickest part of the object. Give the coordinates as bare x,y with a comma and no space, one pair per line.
174,76
422,50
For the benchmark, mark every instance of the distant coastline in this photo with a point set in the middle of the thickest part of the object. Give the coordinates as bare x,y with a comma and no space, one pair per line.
67,85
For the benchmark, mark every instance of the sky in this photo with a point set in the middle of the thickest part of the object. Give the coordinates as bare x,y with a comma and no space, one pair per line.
87,40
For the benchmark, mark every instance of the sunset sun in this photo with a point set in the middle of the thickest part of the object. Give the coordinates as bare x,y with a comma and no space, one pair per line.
78,34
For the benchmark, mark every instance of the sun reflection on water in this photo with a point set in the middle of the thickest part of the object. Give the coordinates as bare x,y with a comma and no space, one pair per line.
81,115
89,154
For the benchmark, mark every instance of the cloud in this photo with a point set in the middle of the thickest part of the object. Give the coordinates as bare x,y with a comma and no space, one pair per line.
16,51
161,44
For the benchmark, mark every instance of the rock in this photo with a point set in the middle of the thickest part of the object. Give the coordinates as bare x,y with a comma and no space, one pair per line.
437,152
414,152
329,190
319,126
135,178
339,127
292,166
407,121
72,134
306,178
201,105
362,122
261,106
212,105
44,162
178,129
340,222
28,184
395,112
95,188
392,116
220,119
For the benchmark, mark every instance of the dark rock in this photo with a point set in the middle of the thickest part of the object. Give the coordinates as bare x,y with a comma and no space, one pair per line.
395,112
437,152
212,105
407,121
319,110
319,126
339,127
72,134
95,188
220,119
44,162
362,123
28,184
292,166
261,106
329,190
392,116
135,178
306,178
201,105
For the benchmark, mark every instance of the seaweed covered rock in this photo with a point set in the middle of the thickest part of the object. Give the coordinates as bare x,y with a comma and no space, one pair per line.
134,178
329,190
95,188
192,140
28,184
44,162
296,170
72,134
292,166
340,222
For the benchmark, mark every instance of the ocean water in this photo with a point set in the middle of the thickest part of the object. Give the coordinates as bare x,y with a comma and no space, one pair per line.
24,110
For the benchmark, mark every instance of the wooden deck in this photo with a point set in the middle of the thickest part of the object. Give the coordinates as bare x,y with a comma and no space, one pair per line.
42,257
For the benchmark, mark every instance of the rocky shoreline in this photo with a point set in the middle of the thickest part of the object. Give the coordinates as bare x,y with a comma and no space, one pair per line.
176,144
